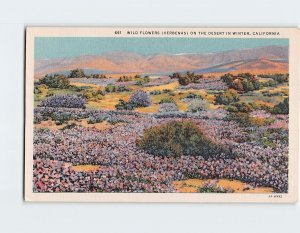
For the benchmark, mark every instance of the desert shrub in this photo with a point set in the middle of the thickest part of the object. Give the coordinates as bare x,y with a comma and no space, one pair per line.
240,107
271,94
123,105
193,96
260,106
69,126
282,107
228,97
63,101
123,89
98,76
61,118
243,82
271,137
168,107
125,78
79,89
93,95
187,78
38,117
155,92
55,81
279,78
212,187
261,121
270,83
167,100
39,89
197,105
179,138
56,114
166,91
242,118
245,119
112,88
140,99
115,120
96,118
142,81
76,73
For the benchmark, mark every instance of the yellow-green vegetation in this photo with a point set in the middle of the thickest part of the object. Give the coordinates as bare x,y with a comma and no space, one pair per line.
170,86
109,100
176,138
107,97
40,92
50,124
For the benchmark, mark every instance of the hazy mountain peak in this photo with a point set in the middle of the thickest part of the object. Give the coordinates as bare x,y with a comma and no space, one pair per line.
126,61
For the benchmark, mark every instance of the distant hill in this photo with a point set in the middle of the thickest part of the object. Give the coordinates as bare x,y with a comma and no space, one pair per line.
269,59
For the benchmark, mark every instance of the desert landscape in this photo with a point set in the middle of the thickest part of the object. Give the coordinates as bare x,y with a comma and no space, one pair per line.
163,123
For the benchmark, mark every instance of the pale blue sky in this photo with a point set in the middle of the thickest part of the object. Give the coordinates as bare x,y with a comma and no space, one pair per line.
59,47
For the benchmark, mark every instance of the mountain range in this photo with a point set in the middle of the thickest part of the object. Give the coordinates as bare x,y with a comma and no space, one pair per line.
270,59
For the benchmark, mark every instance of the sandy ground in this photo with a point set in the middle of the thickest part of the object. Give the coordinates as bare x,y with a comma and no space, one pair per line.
52,126
191,186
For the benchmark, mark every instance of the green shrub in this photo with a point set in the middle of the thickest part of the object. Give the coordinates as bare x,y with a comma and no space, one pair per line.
155,92
193,96
94,95
55,81
69,126
98,76
243,119
282,107
39,89
269,137
142,81
123,89
125,78
179,138
228,97
79,89
187,78
260,106
96,119
115,120
211,187
197,105
240,107
279,78
166,90
167,100
112,88
243,82
77,73
123,105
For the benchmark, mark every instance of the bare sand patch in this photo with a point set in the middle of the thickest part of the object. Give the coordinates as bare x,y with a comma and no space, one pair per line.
52,126
85,168
191,186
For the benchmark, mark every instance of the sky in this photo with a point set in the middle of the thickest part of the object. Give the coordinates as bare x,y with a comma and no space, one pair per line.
62,47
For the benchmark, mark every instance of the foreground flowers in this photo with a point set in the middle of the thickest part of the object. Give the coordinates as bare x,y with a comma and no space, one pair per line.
125,168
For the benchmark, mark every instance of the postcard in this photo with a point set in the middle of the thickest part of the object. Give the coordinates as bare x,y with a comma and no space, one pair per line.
161,114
